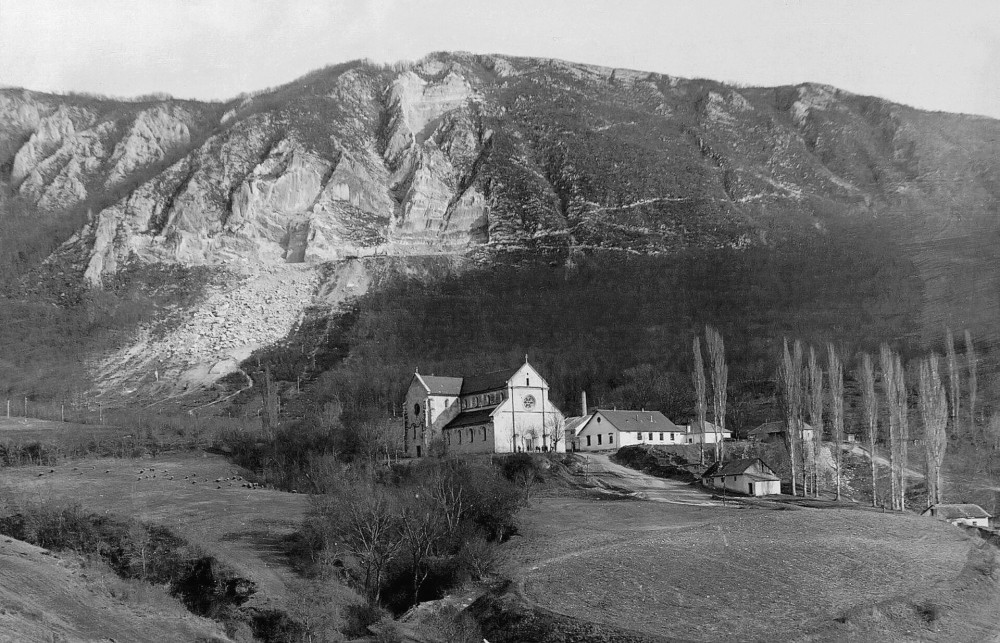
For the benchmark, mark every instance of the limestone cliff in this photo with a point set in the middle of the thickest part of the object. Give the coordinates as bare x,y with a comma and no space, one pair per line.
461,153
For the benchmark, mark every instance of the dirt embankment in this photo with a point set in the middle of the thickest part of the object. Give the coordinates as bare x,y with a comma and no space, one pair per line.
46,597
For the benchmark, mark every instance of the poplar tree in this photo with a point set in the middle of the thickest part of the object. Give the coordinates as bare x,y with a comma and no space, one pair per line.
835,376
954,385
869,407
902,414
791,375
972,361
699,391
934,412
720,376
815,415
889,383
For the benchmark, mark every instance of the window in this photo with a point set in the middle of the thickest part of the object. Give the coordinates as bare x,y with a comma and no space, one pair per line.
661,437
638,436
460,437
673,437
588,440
599,436
611,438
471,438
527,381
650,436
484,434
598,419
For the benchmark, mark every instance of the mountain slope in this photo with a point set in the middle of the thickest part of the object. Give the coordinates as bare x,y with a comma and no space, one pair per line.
461,153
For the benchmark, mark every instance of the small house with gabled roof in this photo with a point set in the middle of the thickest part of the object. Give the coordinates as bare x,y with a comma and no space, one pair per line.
750,476
961,515
705,433
500,412
775,430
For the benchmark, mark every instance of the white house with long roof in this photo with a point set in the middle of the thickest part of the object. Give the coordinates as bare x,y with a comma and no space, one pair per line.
605,429
501,412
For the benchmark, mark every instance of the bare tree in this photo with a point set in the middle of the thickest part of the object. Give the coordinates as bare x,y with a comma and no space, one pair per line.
869,406
902,413
954,385
422,529
835,376
372,534
791,380
699,391
720,376
270,404
815,415
554,430
889,383
972,361
934,411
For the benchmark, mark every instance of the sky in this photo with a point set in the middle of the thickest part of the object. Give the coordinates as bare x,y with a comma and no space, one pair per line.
932,55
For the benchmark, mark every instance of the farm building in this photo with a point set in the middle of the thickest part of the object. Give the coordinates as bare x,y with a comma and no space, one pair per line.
501,412
959,515
770,431
605,429
708,434
750,476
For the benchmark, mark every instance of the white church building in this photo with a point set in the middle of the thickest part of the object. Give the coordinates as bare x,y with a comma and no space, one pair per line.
502,412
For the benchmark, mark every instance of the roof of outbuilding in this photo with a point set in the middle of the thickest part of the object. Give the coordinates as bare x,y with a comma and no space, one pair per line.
956,511
487,381
574,424
639,420
696,427
437,385
737,467
777,426
471,418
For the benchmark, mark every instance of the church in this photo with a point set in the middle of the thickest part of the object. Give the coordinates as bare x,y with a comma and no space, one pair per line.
502,412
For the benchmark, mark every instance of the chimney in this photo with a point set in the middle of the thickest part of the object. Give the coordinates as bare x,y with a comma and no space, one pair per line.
583,402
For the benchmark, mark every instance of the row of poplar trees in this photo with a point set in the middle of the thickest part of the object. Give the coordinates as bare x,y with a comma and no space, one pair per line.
806,391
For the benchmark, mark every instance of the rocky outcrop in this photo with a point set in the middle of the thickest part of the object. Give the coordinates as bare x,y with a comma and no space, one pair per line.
150,137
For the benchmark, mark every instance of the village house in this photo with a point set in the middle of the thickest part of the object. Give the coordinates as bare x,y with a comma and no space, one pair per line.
750,476
502,412
605,429
705,434
960,515
770,431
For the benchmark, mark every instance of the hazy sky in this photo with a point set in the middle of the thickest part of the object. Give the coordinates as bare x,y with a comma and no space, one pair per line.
934,55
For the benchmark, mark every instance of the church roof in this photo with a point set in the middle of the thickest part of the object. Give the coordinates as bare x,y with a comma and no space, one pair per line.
487,381
639,420
471,418
437,385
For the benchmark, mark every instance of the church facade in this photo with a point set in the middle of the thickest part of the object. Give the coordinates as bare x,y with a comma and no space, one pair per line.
502,412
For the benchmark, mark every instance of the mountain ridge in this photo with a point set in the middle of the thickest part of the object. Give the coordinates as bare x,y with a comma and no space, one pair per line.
471,155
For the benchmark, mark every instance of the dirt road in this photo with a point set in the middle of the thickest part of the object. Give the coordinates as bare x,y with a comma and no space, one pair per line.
615,477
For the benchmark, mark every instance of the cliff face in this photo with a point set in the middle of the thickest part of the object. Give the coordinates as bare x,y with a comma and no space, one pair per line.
460,153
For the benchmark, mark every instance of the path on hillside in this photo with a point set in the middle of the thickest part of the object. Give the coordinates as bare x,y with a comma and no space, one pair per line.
601,470
882,461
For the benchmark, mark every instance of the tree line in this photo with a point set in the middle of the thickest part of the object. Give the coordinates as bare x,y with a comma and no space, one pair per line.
890,395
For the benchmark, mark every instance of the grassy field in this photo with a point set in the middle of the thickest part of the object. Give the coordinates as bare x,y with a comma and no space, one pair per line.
193,493
710,573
